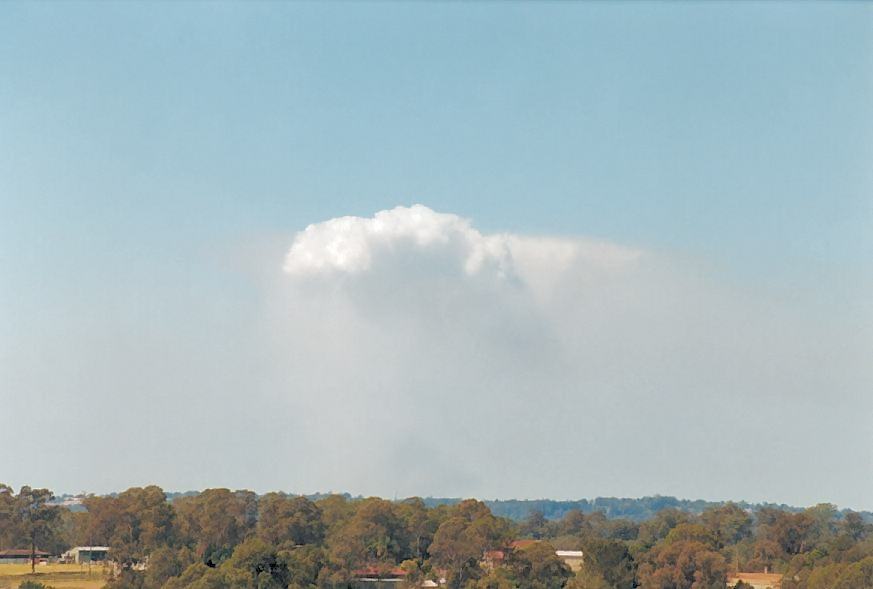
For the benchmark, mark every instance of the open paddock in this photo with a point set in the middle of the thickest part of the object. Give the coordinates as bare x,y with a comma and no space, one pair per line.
59,576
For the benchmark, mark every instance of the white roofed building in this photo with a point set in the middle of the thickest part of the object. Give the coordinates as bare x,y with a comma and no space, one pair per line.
572,558
86,554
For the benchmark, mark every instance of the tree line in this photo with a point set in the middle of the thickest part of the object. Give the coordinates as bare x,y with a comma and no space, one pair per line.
224,539
638,509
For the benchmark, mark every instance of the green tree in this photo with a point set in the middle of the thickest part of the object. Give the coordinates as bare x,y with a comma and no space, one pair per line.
289,520
573,524
335,511
588,579
687,532
538,567
165,563
611,561
374,535
8,517
657,528
535,525
304,565
500,577
261,561
728,524
421,524
37,519
683,564
215,521
462,539
853,526
793,532
133,523
622,529
253,565
858,575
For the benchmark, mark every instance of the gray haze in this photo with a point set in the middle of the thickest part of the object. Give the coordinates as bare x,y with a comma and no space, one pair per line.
410,353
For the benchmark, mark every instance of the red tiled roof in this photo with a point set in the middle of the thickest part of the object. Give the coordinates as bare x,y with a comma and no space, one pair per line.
20,553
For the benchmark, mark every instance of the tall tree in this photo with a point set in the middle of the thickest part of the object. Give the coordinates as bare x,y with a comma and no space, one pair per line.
133,523
37,519
374,535
421,524
8,519
216,520
535,525
289,520
683,564
538,567
729,524
461,540
611,561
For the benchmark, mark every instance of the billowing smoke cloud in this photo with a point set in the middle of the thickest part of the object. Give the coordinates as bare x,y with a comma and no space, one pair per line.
350,244
412,353
424,357
450,245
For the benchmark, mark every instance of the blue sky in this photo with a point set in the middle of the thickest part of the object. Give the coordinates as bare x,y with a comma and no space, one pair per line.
157,160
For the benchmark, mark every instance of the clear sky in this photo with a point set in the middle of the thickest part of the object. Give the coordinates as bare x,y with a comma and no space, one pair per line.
644,265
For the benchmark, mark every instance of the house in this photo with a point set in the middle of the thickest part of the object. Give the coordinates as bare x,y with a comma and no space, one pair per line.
86,554
756,580
372,577
493,558
572,558
21,556
384,574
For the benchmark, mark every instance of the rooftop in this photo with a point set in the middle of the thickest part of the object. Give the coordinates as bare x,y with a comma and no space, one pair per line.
375,572
756,579
20,552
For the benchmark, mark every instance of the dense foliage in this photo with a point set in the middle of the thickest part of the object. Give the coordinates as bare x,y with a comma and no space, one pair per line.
223,539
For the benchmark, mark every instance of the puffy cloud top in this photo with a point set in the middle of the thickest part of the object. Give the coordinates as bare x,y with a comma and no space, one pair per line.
508,356
352,245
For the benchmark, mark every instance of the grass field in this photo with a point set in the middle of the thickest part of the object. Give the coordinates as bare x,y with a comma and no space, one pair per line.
59,576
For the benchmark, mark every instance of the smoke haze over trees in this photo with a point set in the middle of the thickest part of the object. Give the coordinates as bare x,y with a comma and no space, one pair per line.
224,539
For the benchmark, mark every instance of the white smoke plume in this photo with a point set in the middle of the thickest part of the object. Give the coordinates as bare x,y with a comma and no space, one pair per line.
412,353
353,245
504,364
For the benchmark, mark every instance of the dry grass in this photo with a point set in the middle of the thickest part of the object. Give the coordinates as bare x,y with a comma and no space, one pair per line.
59,576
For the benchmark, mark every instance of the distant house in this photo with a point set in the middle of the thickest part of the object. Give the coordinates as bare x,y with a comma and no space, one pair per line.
385,574
756,580
572,558
493,558
372,577
21,556
86,554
